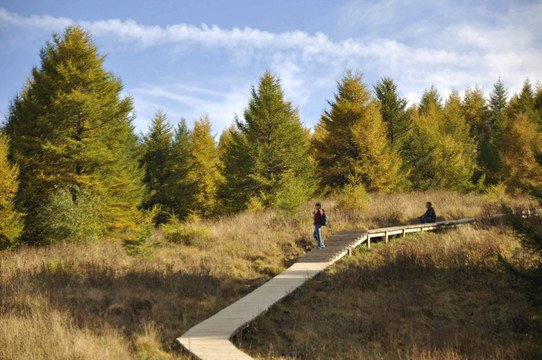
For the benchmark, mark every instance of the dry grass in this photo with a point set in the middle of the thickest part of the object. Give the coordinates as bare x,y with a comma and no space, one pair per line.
92,301
428,296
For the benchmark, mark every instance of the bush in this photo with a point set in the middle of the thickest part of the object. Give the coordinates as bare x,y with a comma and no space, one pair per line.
73,214
190,232
354,196
496,194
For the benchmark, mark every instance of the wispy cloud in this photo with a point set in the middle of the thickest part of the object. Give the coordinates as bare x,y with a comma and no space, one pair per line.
415,42
193,100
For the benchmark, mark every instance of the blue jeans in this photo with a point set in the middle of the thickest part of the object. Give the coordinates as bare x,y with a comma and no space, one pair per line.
317,235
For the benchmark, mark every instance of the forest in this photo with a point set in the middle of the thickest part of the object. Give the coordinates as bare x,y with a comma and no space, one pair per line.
72,167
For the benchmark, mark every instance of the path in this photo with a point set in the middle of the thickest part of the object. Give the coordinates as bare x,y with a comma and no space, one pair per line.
210,339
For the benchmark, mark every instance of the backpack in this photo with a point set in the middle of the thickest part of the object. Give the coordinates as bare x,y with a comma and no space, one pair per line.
324,218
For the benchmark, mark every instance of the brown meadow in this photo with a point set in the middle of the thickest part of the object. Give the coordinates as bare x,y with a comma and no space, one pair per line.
90,300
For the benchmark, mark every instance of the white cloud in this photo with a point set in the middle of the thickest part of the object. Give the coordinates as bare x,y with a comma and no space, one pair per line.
36,21
189,102
450,46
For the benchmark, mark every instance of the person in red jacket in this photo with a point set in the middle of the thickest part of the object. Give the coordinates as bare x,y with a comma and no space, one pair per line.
317,217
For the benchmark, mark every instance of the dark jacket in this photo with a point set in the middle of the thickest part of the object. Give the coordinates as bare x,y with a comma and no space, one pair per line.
430,215
318,216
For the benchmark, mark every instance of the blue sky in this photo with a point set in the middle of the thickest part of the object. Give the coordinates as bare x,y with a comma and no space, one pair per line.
191,57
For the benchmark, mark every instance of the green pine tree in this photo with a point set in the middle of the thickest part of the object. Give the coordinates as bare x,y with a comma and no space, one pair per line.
71,129
204,171
430,97
393,110
475,111
518,147
158,163
266,160
11,223
180,187
440,151
538,100
351,143
488,155
524,102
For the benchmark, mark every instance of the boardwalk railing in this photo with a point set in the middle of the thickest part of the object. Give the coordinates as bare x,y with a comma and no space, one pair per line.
210,339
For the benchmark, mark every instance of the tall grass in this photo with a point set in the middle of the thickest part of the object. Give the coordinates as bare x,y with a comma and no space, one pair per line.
90,300
428,296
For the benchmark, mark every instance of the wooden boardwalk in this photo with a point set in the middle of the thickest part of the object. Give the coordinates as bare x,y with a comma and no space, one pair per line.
210,339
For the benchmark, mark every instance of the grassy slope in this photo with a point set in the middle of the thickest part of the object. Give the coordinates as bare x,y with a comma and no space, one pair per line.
429,296
93,301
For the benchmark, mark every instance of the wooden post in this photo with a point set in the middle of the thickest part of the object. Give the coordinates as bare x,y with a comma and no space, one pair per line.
404,232
386,237
349,251
368,241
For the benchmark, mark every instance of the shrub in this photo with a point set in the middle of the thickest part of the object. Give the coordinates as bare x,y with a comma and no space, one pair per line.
190,232
73,214
354,196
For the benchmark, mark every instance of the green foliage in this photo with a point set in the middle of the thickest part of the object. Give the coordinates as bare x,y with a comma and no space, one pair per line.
70,128
440,151
292,194
181,188
488,147
65,219
266,155
11,223
190,232
137,241
524,102
517,152
496,194
354,196
430,98
165,159
204,170
475,111
393,110
351,141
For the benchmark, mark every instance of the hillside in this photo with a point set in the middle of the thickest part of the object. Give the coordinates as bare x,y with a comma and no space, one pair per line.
428,296
91,300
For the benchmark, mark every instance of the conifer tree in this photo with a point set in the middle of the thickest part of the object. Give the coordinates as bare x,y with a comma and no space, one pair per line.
351,143
430,97
158,163
224,142
517,151
440,150
71,129
538,100
204,171
393,110
524,102
266,160
488,157
11,223
180,187
475,111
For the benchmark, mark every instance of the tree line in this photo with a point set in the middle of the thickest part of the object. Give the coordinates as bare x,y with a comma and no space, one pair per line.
71,165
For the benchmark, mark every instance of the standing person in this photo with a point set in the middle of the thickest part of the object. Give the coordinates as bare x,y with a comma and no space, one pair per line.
429,216
317,217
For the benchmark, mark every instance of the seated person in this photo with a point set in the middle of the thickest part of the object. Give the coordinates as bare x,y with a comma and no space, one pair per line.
429,216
